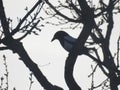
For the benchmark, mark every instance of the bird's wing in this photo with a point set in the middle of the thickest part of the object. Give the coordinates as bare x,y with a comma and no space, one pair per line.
70,39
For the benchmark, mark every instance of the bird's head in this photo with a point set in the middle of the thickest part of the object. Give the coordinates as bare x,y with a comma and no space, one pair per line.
59,35
65,40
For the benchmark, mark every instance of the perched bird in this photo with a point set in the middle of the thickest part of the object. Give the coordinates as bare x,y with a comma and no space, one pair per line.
65,40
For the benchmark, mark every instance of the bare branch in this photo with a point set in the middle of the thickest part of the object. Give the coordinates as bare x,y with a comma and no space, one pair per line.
28,32
24,18
74,8
4,22
4,48
33,19
110,24
99,63
93,70
102,83
118,51
62,15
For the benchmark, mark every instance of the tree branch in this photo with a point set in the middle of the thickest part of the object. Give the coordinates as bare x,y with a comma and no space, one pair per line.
28,32
77,49
17,47
24,18
98,62
4,48
60,14
110,24
4,22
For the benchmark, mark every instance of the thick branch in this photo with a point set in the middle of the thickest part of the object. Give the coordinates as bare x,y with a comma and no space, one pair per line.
4,22
83,4
18,48
110,23
87,16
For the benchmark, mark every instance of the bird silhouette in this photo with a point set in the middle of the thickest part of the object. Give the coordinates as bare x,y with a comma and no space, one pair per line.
67,41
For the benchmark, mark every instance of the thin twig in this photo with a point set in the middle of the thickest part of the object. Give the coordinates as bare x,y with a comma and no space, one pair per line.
31,80
24,18
118,51
29,31
6,74
62,15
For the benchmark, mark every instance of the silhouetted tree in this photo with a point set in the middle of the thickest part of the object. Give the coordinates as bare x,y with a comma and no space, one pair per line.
26,26
92,16
83,12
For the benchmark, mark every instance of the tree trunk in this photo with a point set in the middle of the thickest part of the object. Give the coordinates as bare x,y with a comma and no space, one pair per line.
69,66
113,81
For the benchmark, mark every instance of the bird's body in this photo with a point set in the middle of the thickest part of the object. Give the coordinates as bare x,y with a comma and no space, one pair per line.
65,40
68,43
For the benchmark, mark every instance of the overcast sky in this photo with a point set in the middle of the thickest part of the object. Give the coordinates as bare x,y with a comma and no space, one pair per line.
49,56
